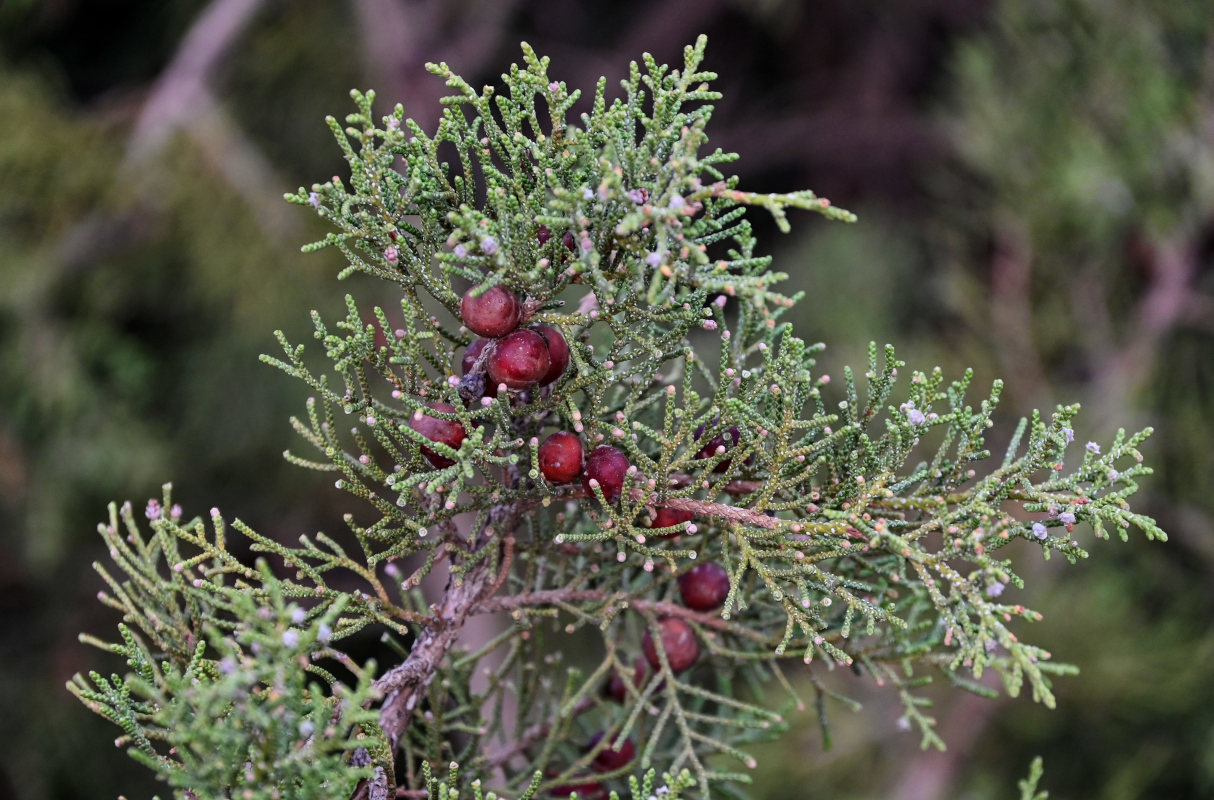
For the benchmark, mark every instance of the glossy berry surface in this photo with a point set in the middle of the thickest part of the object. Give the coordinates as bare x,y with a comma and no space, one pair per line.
704,587
519,360
443,431
729,439
666,517
558,353
609,467
679,642
495,313
543,235
561,457
609,760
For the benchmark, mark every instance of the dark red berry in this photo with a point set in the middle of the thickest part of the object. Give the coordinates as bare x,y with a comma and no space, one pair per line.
679,642
609,760
720,440
617,687
519,360
666,517
558,353
442,431
494,313
608,466
543,235
705,586
561,457
569,241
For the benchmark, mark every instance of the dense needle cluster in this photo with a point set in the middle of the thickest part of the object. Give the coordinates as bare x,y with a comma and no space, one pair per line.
632,447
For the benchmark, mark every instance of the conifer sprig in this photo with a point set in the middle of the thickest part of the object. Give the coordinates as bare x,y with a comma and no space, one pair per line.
854,527
228,690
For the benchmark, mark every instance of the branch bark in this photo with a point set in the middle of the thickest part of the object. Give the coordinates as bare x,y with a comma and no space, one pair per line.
550,597
405,684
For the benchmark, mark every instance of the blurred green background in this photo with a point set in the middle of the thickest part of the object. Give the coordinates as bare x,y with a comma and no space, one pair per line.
1035,182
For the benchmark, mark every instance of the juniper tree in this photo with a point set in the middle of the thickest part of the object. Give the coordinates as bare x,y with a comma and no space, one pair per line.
589,416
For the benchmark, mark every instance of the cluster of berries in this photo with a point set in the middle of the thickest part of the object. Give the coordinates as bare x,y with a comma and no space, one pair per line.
521,359
509,356
607,467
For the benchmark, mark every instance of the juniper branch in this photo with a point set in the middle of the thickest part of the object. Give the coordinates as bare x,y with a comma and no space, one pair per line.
851,528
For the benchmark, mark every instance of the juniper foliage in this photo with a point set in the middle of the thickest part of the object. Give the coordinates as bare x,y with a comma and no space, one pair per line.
859,525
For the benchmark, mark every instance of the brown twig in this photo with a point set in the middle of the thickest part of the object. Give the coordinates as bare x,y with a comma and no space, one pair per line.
733,513
705,509
698,507
405,684
550,597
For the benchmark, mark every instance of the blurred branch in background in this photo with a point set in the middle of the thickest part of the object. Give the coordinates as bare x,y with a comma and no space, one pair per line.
1011,312
934,775
172,103
1168,302
1084,179
181,101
